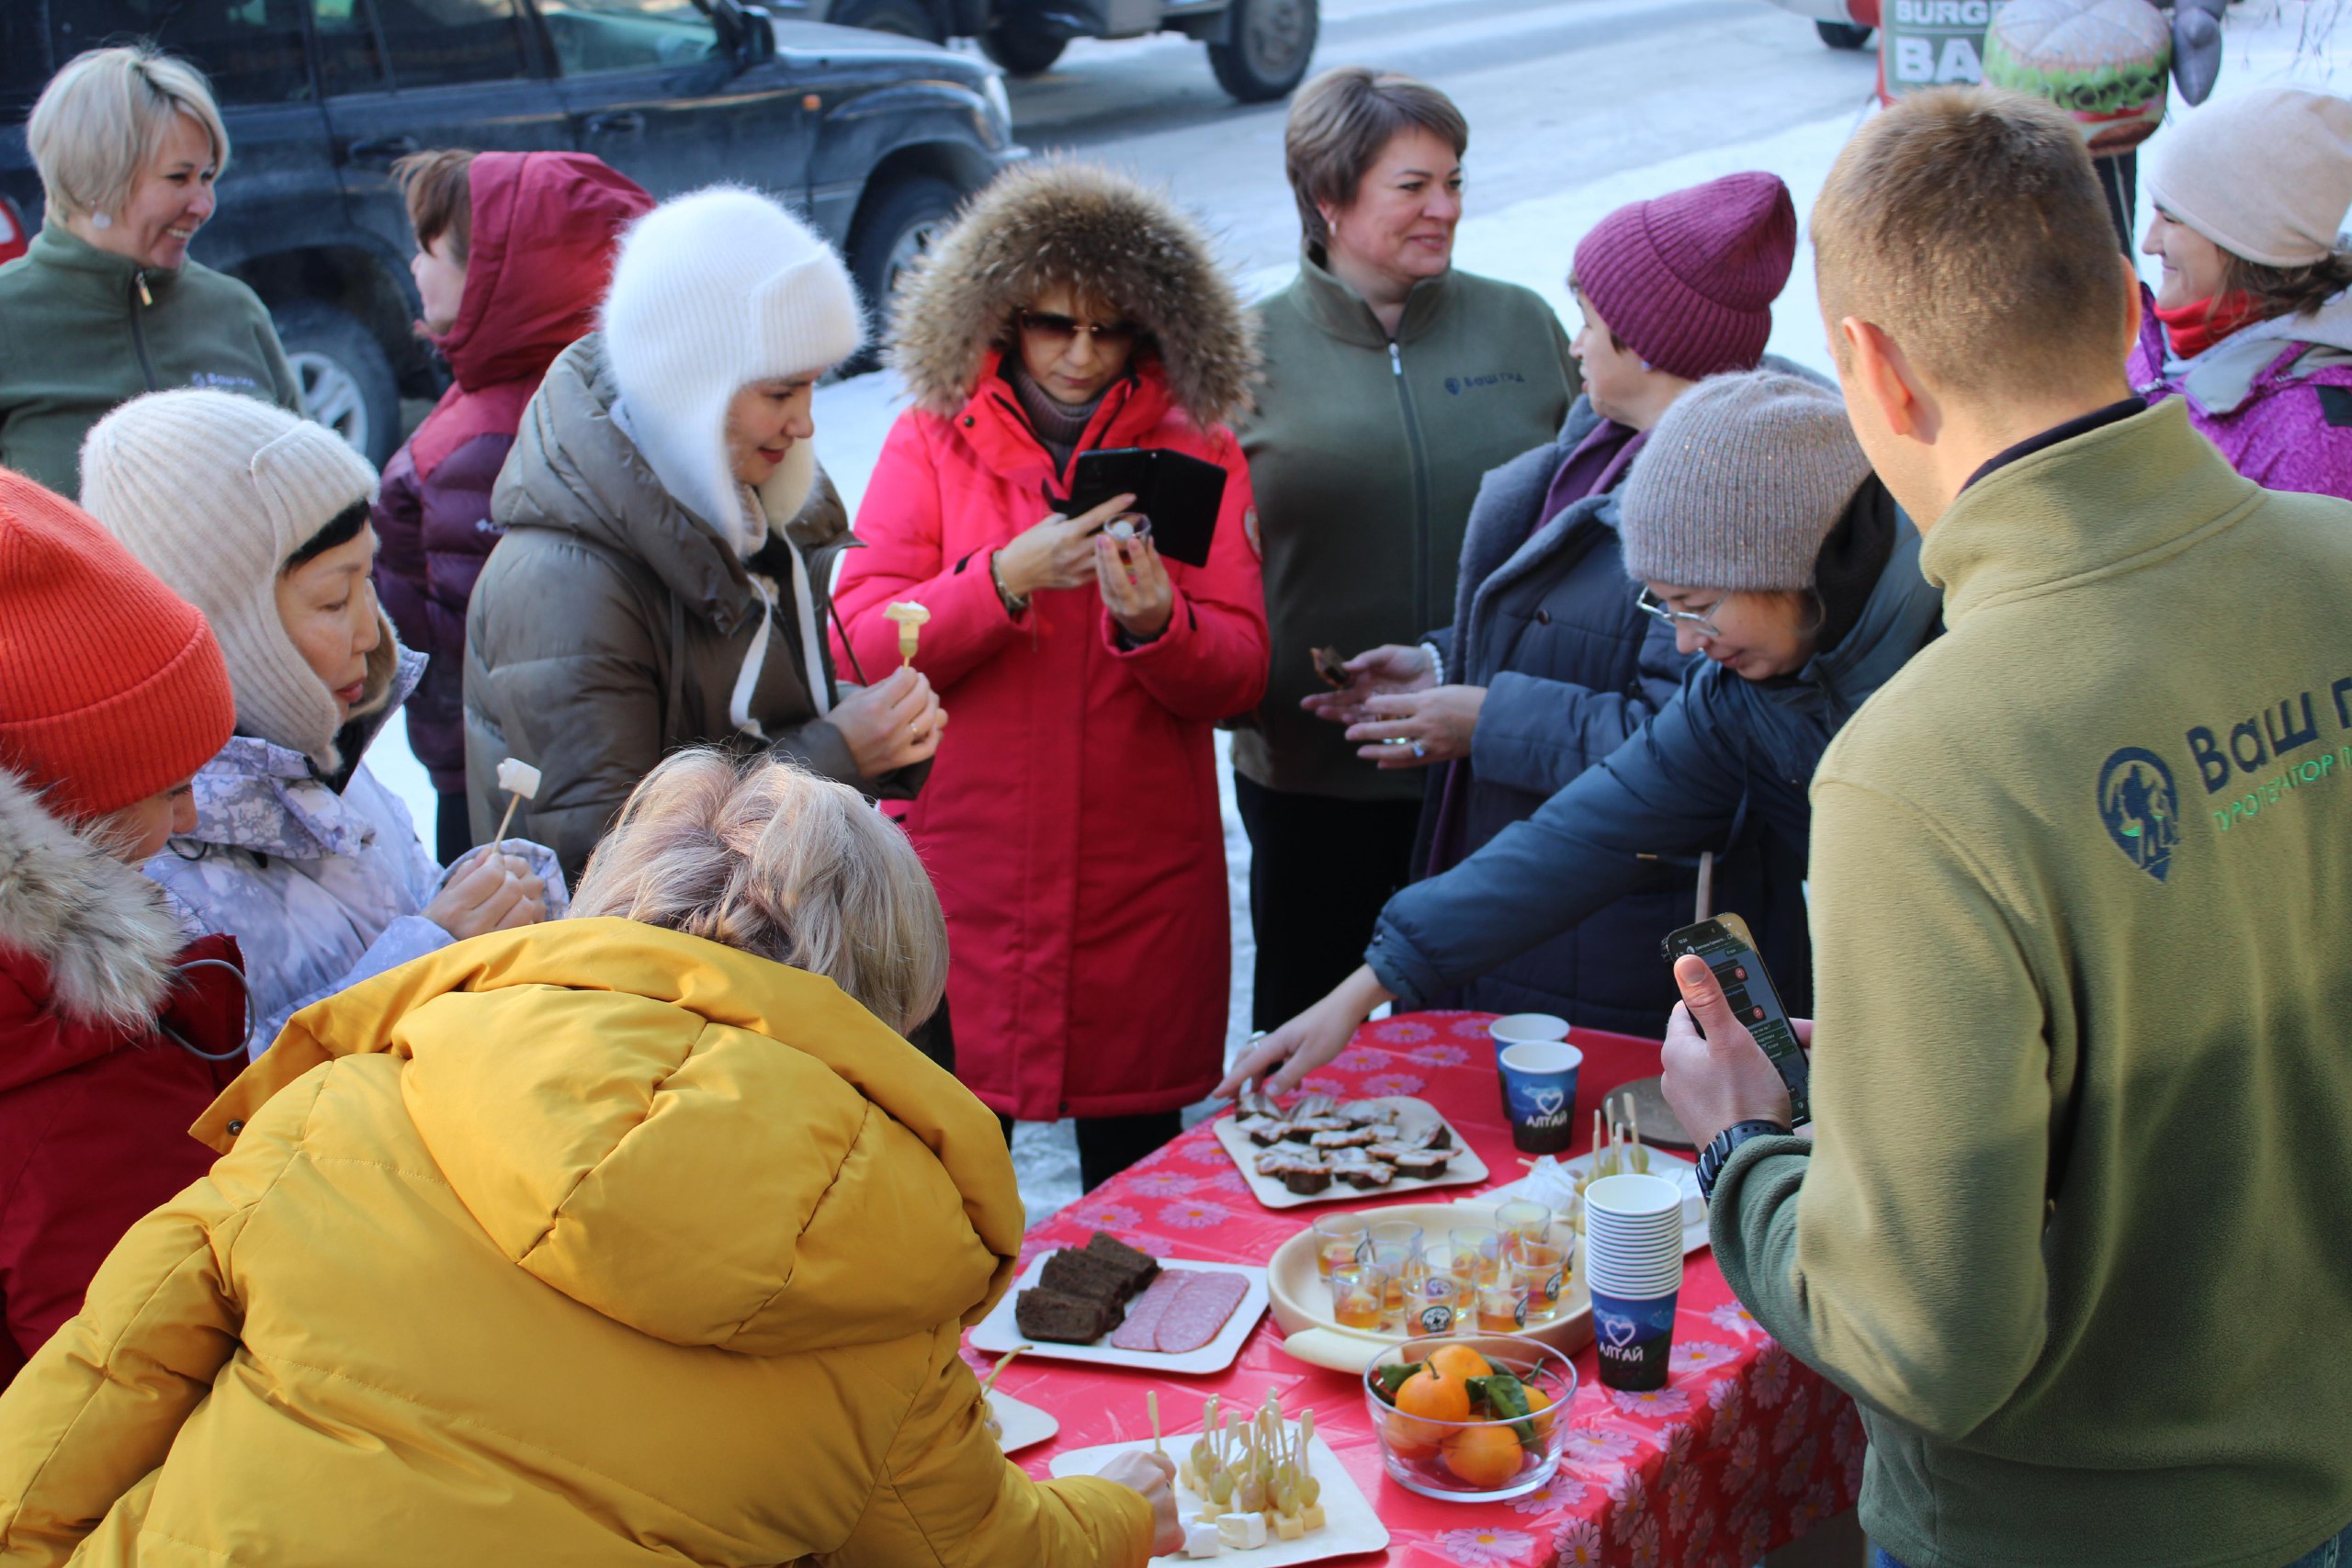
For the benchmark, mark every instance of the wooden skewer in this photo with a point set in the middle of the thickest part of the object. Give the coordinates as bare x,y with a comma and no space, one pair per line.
1151,1402
511,802
998,1370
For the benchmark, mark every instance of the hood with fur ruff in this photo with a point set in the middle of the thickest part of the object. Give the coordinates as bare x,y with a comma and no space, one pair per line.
1054,221
104,932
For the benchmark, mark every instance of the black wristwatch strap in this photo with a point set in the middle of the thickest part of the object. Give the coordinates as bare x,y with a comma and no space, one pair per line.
1718,1154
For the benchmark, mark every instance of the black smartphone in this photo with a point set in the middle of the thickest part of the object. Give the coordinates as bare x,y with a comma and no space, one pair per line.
1730,952
1181,494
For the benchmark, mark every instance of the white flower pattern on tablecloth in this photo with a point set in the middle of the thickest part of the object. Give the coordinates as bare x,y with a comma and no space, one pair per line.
1650,1403
1682,1497
1394,1083
1438,1056
1632,1505
1402,1032
1360,1059
1729,1398
1769,1379
1734,1318
1595,1448
1578,1544
1798,1470
1196,1215
1485,1548
1756,1537
1472,1028
1791,1424
1645,1544
1698,1355
1562,1490
1164,1183
1745,1455
1102,1216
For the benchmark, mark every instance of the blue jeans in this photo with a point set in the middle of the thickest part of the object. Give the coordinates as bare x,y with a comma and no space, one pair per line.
2333,1554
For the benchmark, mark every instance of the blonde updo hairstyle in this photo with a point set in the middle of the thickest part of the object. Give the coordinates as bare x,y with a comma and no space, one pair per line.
99,119
767,858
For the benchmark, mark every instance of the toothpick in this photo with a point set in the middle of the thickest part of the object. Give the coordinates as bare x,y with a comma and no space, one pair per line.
1633,1114
998,1370
1151,1402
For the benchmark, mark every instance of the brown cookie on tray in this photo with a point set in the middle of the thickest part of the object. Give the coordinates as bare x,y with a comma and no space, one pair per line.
1424,1165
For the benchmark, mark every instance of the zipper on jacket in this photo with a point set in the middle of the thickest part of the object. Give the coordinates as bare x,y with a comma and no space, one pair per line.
139,330
1421,487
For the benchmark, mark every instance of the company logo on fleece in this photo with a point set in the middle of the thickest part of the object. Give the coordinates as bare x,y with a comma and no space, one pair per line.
2137,802
1457,385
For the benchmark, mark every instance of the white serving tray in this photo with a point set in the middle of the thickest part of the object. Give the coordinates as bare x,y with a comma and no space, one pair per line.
1024,1425
1464,1170
997,1331
1349,1527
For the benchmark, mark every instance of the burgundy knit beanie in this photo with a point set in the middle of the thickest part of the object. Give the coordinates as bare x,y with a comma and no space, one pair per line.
1688,279
111,686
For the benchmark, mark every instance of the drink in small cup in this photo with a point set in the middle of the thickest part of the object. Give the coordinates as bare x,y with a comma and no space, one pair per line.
1480,1248
1357,1292
1433,1303
1392,1263
1523,1219
1539,1271
1337,1237
1394,1233
1501,1308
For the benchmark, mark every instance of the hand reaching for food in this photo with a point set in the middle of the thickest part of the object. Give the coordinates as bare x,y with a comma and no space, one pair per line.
1412,729
1310,1040
1388,669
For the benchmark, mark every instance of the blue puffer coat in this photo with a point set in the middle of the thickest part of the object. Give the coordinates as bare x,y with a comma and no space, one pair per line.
1725,760
1545,620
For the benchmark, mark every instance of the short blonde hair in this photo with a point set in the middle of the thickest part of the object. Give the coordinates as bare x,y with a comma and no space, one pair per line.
1968,223
100,120
769,859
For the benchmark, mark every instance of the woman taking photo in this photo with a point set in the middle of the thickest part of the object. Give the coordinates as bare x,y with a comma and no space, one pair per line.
1752,525
669,539
1394,381
1073,829
105,304
635,1237
260,520
2252,324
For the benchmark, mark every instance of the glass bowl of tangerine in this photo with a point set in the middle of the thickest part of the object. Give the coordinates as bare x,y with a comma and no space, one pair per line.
1470,1418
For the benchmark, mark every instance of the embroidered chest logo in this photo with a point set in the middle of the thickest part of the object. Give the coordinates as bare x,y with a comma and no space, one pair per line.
2142,811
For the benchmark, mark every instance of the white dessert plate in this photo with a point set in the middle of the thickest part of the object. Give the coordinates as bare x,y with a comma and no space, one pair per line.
1350,1525
1464,1170
999,1332
1024,1425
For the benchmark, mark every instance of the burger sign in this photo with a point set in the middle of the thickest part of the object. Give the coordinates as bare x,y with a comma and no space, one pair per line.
2104,61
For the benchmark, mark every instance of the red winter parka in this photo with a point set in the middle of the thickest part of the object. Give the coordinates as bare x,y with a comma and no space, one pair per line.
96,1100
539,259
1070,821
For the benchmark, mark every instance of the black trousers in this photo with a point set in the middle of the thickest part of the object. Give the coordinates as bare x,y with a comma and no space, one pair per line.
1320,869
453,835
1108,1145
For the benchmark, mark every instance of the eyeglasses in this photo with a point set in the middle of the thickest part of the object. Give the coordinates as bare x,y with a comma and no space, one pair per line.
1047,327
1650,604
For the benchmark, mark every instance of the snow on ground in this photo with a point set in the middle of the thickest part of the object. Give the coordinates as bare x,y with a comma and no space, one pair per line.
2307,43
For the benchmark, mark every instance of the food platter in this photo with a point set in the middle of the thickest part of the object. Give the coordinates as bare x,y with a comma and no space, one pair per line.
1464,1169
1019,1426
1351,1524
999,1332
1301,1301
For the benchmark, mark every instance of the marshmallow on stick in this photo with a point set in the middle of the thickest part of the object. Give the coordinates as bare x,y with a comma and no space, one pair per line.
521,782
910,618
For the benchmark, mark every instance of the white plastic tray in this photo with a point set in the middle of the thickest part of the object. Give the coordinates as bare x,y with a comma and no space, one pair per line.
1350,1524
997,1331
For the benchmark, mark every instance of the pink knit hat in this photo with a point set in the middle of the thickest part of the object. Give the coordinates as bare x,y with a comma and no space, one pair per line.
1688,279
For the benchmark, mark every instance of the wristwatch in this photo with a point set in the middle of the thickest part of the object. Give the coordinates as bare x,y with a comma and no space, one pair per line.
1718,1154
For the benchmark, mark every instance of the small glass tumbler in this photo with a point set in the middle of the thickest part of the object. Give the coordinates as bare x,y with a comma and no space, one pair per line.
1358,1295
1337,1237
1523,1218
1482,1246
1393,1263
1394,1233
1539,1271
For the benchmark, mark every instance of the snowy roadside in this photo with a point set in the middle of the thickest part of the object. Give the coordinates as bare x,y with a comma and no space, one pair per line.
1528,243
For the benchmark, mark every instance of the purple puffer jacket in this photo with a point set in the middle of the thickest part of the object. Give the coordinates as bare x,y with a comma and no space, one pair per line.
2274,397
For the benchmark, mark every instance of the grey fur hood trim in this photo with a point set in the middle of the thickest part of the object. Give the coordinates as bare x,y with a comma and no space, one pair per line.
106,934
1051,221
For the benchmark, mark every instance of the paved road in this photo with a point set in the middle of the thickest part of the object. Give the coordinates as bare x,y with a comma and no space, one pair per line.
1558,93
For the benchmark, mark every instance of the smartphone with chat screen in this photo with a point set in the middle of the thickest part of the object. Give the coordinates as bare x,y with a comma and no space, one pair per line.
1729,950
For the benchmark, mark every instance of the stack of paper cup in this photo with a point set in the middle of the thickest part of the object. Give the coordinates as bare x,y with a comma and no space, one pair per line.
1632,1264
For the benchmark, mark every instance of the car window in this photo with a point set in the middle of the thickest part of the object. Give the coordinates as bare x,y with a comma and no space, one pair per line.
367,46
594,36
251,50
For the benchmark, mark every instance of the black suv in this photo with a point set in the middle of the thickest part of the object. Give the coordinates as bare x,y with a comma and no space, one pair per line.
874,139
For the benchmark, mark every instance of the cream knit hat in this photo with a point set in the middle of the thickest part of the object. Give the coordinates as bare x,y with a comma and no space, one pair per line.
1739,483
214,491
711,292
2266,175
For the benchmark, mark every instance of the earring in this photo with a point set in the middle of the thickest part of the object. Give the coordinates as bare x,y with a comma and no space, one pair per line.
100,221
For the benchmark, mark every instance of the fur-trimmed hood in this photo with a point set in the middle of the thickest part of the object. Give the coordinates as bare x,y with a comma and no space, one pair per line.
104,932
1052,221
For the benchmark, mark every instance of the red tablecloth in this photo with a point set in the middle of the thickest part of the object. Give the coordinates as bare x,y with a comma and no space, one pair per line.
1743,1451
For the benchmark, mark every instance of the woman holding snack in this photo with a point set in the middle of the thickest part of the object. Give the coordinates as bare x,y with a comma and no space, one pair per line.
1394,381
670,537
1074,834
260,520
710,1228
2252,322
1753,525
1548,664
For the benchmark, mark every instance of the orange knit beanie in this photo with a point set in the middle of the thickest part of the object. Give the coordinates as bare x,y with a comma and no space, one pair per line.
111,686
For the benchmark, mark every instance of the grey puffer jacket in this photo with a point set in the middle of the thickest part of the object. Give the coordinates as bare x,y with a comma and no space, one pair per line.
321,886
611,623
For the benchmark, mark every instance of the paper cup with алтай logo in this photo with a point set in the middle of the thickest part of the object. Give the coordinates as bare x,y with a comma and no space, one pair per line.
1539,1094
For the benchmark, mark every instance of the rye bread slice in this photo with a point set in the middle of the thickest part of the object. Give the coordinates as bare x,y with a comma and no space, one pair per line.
1138,1266
1070,1320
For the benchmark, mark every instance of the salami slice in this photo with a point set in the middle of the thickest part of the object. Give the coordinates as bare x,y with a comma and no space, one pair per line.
1193,1318
1140,1329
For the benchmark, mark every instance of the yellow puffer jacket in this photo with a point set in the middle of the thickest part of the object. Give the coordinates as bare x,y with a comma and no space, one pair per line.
584,1243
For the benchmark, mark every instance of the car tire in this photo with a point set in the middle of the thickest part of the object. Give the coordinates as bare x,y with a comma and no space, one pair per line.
1843,35
1273,42
346,379
1021,51
888,236
907,18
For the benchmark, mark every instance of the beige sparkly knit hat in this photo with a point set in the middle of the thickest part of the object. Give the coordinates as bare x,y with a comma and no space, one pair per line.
2266,175
215,492
1739,483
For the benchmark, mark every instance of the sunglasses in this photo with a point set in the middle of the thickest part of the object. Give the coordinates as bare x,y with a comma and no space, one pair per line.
1048,328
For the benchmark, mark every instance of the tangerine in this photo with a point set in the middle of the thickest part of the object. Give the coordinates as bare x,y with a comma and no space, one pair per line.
1538,1403
1485,1457
1461,1361
1436,1394
1413,1442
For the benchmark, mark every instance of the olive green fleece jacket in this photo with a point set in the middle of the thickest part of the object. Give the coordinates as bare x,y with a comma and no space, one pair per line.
2076,1229
1364,455
78,339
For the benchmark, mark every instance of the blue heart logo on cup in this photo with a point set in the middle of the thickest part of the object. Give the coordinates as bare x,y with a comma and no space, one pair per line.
1620,1331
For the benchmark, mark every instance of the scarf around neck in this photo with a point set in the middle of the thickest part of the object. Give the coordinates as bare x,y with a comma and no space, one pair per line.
2193,328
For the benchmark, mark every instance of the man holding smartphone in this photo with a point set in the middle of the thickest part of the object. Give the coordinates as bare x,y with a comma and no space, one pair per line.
2076,1226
